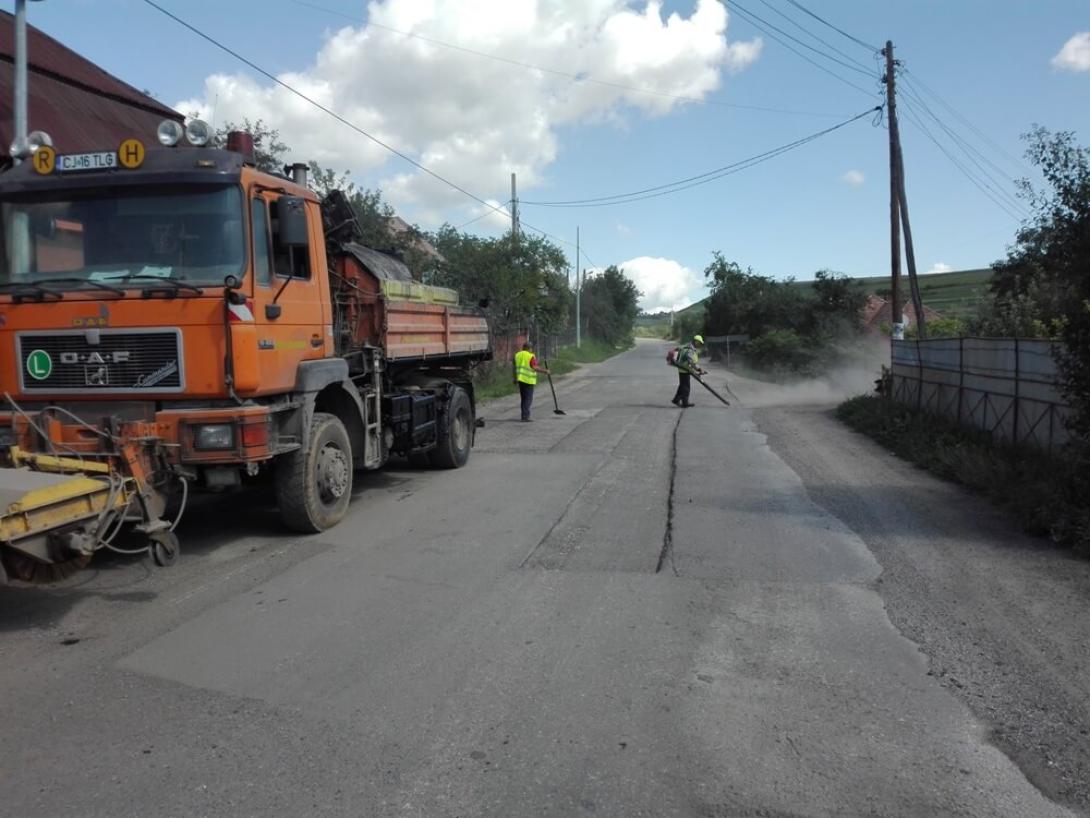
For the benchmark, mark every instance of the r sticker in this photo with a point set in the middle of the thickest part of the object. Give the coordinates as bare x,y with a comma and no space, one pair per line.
45,159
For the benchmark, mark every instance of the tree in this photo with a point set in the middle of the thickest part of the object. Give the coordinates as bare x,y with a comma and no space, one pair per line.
270,153
610,304
1043,286
745,303
524,279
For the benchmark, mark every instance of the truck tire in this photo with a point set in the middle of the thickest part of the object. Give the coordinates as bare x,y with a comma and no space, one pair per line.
314,484
456,433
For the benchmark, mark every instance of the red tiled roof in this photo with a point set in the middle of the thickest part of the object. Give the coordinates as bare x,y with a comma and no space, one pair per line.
81,106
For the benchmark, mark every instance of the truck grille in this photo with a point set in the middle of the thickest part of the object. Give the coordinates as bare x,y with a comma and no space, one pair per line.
82,361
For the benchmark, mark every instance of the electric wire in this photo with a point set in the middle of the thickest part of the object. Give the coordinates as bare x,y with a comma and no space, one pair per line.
343,121
997,176
912,79
821,40
798,53
825,22
702,178
858,67
912,116
559,73
268,75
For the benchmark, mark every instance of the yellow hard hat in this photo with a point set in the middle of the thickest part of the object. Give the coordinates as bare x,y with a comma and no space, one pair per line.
698,339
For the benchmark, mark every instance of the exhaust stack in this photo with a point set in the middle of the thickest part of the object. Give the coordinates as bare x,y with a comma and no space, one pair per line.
299,174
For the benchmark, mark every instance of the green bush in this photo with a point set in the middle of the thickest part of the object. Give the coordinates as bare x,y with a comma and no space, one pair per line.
1050,495
783,351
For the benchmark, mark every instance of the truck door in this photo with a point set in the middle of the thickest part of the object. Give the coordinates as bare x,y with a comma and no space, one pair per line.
290,303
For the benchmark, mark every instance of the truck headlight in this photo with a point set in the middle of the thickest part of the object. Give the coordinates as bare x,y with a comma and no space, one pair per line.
214,436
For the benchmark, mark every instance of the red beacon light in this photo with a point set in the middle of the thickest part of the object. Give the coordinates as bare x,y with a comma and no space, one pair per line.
241,142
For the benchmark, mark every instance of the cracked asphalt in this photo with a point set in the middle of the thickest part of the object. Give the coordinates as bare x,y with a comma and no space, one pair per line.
627,610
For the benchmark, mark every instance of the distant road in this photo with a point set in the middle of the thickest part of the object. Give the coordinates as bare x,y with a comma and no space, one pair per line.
628,610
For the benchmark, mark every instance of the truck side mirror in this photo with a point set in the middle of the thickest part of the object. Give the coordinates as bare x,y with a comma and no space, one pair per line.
292,215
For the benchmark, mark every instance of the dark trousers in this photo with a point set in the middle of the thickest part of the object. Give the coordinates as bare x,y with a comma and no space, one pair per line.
526,392
682,394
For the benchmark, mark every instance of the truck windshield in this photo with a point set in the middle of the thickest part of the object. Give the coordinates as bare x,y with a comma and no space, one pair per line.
73,239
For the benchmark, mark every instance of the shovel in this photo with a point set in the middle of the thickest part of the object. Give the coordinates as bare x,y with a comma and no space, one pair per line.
557,410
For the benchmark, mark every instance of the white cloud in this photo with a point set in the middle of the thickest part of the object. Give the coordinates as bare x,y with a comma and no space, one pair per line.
476,120
855,178
665,284
939,267
624,229
1075,54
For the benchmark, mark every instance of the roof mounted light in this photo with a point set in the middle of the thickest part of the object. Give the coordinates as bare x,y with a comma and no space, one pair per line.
170,132
38,139
198,132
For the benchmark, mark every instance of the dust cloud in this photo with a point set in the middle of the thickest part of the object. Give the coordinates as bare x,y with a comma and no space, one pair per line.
846,380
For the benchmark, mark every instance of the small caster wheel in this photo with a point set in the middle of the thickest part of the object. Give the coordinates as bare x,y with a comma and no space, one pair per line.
164,548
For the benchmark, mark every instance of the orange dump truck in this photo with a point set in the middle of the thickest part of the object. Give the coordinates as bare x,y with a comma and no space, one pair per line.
173,319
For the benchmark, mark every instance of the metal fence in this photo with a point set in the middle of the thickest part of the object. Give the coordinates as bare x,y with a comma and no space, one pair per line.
1008,387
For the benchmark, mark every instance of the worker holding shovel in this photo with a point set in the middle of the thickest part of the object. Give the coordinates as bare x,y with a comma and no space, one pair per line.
525,372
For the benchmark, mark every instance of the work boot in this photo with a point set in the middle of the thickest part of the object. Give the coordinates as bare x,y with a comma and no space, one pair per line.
686,405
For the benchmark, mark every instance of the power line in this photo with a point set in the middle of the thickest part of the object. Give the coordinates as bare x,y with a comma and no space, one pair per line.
703,178
740,8
997,175
321,107
915,81
821,40
823,21
558,73
798,53
981,186
342,120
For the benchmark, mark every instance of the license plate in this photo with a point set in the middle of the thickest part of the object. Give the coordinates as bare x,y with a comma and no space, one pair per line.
87,161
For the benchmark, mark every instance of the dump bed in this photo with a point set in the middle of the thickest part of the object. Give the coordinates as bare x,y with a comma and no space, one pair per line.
379,304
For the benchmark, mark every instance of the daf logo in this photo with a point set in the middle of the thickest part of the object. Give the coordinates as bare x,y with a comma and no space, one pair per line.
118,357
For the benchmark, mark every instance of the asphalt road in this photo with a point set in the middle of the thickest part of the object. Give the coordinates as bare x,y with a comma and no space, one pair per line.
627,610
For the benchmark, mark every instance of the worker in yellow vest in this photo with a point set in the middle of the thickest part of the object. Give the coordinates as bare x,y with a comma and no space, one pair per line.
526,369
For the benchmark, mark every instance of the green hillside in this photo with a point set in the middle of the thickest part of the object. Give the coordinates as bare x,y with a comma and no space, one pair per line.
954,293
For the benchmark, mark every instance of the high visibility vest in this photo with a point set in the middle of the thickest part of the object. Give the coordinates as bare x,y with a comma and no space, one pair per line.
524,373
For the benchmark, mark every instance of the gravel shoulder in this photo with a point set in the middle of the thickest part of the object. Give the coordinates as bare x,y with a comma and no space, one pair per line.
1000,615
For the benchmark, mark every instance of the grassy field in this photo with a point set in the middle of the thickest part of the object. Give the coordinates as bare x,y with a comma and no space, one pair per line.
955,293
498,383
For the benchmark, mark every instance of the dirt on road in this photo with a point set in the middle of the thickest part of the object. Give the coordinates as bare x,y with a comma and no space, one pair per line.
1000,615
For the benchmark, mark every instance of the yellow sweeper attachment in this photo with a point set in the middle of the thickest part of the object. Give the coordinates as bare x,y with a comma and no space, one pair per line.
51,522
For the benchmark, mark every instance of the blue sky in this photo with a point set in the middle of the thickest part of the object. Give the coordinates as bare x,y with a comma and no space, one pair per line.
795,214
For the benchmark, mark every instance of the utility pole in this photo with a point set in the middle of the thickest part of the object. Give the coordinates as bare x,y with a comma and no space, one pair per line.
897,330
578,294
898,211
514,209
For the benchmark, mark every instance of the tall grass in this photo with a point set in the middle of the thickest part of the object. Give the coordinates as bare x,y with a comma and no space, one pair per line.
1049,495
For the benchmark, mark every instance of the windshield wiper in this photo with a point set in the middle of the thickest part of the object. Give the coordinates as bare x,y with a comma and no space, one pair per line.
76,280
171,286
30,290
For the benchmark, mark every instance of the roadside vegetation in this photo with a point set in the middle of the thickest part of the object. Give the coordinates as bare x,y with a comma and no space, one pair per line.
1049,496
793,331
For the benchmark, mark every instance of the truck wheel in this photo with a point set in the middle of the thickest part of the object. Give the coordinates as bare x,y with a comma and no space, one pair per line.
314,484
456,437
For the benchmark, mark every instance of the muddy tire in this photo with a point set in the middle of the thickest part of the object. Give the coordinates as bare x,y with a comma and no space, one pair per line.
314,484
455,434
